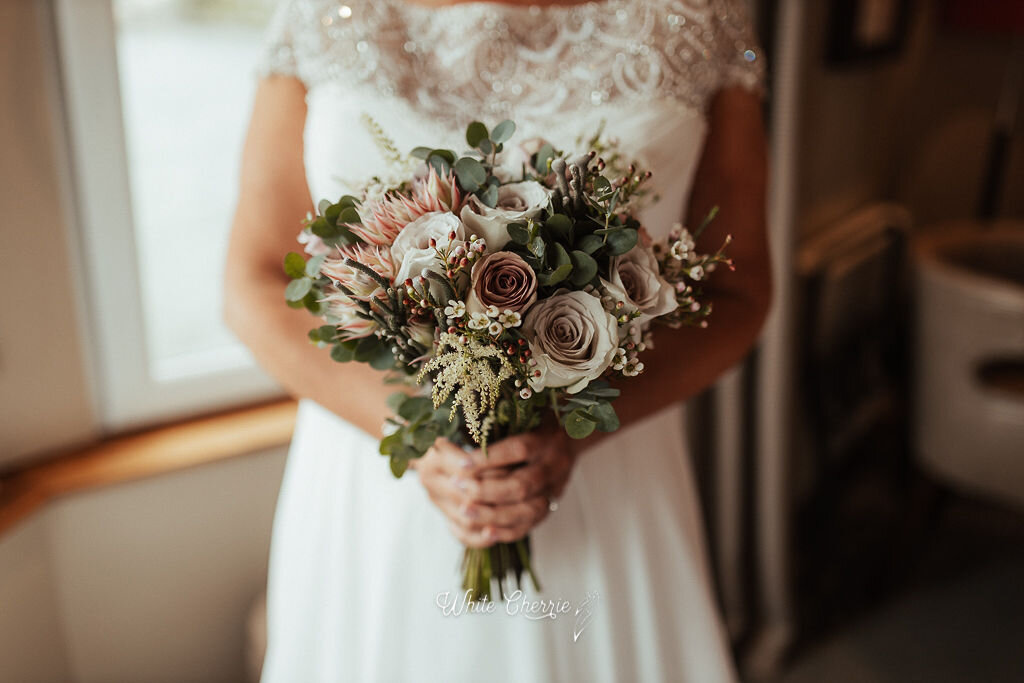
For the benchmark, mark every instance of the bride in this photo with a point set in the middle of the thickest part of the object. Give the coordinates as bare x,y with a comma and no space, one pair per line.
364,581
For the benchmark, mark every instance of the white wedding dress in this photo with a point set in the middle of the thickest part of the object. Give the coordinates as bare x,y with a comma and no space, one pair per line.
360,561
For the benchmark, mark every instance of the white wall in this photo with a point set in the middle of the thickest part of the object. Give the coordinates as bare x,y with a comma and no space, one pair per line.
145,581
44,386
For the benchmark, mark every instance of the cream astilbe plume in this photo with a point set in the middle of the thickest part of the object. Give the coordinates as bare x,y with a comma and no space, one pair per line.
473,371
359,283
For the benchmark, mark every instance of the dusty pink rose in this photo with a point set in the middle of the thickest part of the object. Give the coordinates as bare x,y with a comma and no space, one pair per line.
504,280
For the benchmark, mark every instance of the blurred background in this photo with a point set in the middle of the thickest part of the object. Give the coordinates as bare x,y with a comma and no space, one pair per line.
862,473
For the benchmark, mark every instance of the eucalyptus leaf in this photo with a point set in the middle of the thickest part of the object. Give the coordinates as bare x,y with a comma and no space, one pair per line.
489,197
390,443
342,354
519,233
323,206
394,401
349,215
544,156
471,173
503,131
332,212
588,244
398,466
322,229
557,275
476,133
560,227
416,408
559,256
382,358
313,265
312,301
579,425
294,265
297,289
348,200
421,152
486,147
604,414
584,267
327,333
622,241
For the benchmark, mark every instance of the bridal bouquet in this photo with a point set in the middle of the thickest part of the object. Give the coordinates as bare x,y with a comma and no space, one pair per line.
512,286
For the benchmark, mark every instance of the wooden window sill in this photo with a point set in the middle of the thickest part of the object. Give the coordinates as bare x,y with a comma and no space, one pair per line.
146,454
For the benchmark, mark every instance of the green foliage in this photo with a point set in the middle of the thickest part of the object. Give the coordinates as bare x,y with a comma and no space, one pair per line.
294,265
298,289
476,133
471,174
417,426
503,131
579,425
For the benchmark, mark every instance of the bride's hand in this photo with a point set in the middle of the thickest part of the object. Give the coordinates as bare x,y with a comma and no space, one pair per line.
501,497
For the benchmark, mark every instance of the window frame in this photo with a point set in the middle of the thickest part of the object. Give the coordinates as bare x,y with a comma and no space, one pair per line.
132,390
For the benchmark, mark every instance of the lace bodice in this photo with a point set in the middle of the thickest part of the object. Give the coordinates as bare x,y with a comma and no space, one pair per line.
493,60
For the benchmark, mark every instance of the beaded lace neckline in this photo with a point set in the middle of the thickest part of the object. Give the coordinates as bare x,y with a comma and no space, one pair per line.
528,62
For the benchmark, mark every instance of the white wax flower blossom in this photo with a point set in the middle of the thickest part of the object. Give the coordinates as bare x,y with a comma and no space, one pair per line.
495,329
412,250
634,280
510,318
455,309
525,393
696,272
478,321
620,360
517,202
492,311
572,340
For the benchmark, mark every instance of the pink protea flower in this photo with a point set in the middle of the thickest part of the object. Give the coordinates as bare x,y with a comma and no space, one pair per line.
441,194
346,312
378,258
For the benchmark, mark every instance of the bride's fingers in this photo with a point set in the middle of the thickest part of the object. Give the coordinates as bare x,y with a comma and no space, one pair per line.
511,451
516,515
516,486
487,536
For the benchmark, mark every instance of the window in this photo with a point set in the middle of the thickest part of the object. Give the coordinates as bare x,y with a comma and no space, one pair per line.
158,94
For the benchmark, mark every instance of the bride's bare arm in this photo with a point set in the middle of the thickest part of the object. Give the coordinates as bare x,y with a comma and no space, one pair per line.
731,175
273,199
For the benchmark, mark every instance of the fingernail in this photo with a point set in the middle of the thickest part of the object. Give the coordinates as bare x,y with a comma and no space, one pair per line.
467,463
488,533
460,483
471,512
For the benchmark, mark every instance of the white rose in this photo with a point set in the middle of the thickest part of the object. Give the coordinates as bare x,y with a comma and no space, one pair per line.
516,203
634,280
412,250
572,338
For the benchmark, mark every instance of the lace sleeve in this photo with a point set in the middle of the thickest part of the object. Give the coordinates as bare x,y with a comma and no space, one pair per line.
740,58
278,53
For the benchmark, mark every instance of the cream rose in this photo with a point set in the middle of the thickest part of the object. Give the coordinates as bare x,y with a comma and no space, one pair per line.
572,338
412,251
633,279
504,280
516,203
